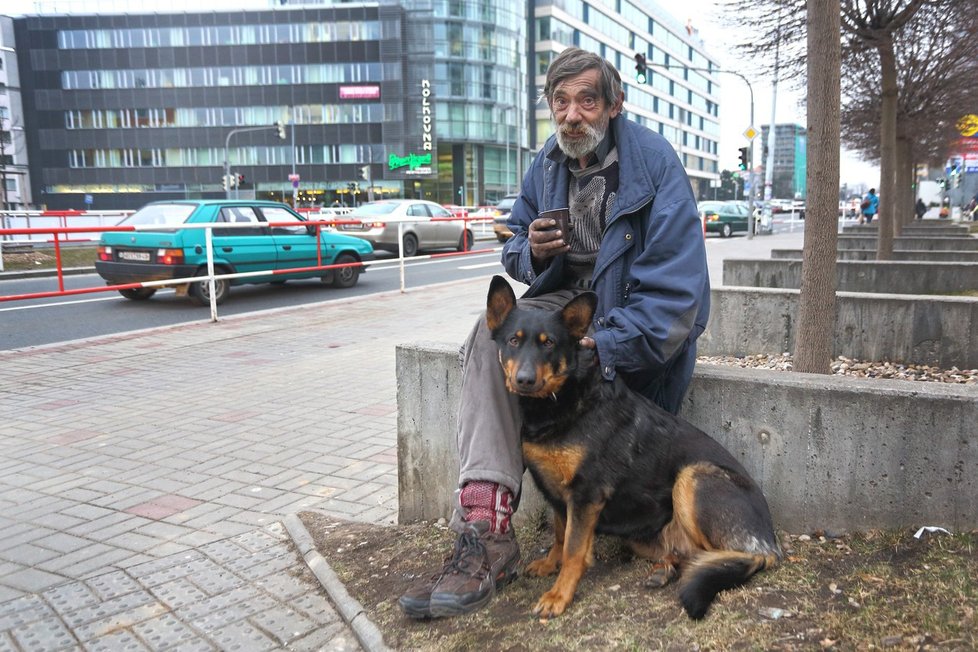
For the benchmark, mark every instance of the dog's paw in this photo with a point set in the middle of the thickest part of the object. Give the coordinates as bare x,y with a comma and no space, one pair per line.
541,567
661,575
552,604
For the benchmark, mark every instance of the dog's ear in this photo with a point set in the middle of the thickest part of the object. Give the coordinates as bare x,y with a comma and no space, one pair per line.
578,313
500,302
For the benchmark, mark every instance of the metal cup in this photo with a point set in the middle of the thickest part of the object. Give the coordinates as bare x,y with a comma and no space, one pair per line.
562,217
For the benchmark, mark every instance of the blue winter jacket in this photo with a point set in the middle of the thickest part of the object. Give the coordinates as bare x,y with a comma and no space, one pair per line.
650,275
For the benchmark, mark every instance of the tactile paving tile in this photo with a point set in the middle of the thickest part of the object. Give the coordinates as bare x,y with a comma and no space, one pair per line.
121,641
163,631
284,624
70,597
23,610
178,593
118,605
48,634
113,585
243,635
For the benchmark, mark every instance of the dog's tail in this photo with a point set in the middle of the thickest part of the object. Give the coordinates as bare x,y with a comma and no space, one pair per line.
711,572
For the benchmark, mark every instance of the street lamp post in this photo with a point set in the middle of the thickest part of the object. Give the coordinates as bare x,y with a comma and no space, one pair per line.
507,108
750,150
227,162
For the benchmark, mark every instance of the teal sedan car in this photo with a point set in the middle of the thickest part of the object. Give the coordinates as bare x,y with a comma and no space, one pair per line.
724,217
161,248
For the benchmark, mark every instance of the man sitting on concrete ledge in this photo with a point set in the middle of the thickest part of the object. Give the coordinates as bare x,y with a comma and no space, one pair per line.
635,238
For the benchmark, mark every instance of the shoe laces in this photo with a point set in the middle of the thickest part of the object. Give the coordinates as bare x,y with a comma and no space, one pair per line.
469,548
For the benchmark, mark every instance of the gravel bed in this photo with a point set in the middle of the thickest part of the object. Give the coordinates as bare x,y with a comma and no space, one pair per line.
842,366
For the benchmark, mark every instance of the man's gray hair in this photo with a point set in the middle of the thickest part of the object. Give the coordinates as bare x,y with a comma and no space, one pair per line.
572,62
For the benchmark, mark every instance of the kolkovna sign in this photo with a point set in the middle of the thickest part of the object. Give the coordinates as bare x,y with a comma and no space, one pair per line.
419,163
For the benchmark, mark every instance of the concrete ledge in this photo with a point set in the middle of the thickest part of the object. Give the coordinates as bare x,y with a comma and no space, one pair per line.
914,329
887,276
927,228
829,452
929,243
901,255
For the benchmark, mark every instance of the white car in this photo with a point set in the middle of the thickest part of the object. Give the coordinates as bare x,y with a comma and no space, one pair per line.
427,225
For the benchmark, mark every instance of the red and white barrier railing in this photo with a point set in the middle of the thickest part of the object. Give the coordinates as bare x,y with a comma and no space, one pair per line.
61,235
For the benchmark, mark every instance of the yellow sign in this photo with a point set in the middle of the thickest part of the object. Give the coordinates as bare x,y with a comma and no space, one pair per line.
750,133
968,125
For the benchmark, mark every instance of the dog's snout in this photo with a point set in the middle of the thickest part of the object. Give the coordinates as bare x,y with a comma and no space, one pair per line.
526,377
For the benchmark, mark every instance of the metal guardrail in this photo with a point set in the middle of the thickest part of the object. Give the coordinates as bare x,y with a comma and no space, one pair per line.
211,277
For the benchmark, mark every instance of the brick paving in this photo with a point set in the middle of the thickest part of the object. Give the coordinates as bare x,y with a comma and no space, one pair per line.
144,476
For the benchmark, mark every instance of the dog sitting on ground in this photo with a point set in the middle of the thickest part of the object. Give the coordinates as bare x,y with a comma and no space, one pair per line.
608,460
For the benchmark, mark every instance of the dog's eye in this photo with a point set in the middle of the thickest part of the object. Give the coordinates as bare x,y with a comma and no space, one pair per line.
549,343
514,341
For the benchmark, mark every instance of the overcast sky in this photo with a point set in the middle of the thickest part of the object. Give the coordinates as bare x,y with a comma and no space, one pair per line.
704,14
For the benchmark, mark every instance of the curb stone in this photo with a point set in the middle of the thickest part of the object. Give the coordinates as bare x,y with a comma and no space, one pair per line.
349,608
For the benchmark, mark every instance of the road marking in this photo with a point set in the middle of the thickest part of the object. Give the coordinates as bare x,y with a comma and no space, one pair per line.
55,304
495,264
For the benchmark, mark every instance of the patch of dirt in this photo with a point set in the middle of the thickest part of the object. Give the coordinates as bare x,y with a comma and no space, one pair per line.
878,590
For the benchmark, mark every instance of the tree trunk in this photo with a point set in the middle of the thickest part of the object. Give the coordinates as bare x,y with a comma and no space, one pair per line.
816,306
888,134
905,185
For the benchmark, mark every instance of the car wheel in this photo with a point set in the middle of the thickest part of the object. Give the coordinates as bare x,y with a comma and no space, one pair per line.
343,277
138,294
725,231
200,291
410,245
465,241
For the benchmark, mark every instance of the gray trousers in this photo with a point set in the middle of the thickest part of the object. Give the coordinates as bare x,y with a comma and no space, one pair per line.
488,416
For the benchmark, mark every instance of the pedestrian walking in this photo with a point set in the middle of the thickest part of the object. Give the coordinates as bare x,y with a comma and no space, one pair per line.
869,207
920,208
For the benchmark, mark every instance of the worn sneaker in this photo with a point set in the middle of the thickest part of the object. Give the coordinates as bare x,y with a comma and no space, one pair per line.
482,563
416,601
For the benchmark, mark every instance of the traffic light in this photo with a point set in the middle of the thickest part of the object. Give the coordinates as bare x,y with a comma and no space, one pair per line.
239,181
641,68
365,173
743,159
225,179
281,129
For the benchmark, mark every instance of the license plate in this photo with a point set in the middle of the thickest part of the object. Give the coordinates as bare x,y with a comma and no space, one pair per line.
351,227
139,256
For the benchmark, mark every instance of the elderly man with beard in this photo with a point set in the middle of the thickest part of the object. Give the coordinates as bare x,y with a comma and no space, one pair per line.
634,238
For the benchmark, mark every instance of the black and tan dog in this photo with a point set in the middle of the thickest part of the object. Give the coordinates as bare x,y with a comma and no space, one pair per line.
610,461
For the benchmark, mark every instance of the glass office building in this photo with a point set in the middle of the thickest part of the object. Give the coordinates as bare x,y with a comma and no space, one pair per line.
409,98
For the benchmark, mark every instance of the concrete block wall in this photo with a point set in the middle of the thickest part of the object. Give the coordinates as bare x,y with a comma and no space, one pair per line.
912,242
829,452
913,329
889,277
903,255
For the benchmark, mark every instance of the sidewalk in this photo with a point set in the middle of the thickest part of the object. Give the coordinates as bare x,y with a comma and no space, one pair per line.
145,476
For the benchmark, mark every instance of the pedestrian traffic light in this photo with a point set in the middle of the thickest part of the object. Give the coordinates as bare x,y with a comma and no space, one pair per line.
225,181
280,126
743,158
239,181
641,68
365,173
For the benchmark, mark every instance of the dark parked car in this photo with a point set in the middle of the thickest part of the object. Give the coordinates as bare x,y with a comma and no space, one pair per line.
503,209
724,217
160,249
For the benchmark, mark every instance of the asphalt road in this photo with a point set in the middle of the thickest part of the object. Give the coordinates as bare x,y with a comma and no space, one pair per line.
34,322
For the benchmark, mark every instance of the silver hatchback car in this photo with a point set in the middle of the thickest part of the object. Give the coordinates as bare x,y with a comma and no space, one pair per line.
427,225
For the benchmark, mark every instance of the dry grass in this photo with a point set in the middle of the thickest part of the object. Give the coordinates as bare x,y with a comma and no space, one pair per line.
858,592
44,258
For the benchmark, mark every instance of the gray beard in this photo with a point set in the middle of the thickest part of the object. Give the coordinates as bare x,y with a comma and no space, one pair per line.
584,146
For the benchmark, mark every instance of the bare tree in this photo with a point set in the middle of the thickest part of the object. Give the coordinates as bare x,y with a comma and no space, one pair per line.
816,307
937,63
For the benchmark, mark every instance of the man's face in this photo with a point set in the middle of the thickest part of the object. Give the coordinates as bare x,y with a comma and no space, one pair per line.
581,113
